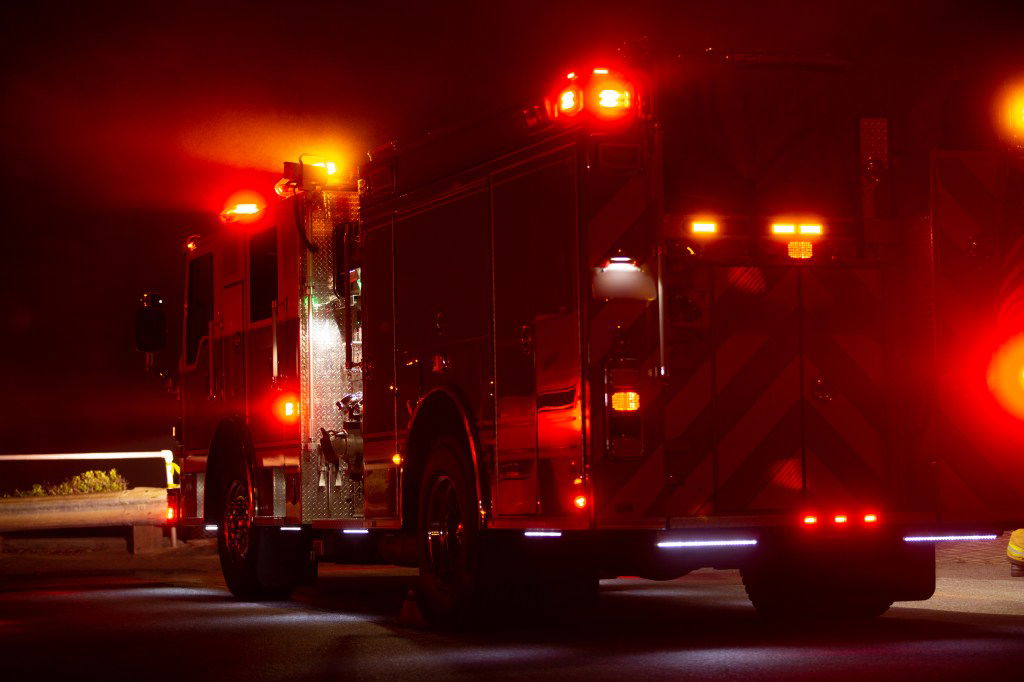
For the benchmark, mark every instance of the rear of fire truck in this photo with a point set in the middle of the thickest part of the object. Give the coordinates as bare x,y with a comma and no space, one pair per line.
826,381
834,321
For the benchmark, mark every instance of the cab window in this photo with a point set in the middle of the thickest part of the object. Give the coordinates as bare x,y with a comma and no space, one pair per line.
262,274
199,312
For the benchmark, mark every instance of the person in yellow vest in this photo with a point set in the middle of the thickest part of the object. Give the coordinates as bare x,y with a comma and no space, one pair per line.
1015,553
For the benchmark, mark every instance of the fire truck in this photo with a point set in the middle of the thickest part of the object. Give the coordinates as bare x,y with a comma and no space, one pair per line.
735,311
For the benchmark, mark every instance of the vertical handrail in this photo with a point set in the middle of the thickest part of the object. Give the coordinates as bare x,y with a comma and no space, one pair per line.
274,369
661,311
212,393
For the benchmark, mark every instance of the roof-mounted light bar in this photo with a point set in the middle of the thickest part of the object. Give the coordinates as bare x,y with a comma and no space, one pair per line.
601,93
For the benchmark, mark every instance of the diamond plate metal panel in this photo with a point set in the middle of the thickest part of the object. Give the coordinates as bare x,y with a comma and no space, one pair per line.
326,492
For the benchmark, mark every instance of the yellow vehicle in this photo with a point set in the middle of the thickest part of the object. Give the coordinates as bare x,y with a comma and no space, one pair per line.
1015,553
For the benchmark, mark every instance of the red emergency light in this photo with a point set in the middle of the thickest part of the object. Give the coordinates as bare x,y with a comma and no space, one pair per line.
1006,375
286,408
600,93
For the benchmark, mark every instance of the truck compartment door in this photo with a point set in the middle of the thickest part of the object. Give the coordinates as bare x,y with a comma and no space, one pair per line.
537,340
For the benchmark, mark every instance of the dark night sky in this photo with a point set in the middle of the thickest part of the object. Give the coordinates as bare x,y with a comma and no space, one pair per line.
125,125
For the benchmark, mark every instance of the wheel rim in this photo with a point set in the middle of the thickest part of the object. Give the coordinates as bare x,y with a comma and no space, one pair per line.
237,520
446,532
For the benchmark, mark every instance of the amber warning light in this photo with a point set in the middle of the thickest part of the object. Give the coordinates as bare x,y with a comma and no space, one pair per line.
625,401
240,212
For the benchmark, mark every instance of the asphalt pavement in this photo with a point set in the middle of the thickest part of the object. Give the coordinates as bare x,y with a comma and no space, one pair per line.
91,611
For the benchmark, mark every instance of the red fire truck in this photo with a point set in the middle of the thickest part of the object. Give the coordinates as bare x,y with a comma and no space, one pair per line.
731,312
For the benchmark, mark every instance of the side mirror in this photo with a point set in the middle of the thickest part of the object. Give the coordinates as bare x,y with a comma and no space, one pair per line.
151,324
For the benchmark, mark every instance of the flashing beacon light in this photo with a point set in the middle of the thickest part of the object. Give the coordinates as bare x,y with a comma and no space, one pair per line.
329,167
570,101
242,207
1006,376
799,236
1012,113
599,92
613,99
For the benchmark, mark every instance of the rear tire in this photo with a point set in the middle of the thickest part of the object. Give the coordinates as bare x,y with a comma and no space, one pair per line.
785,592
257,562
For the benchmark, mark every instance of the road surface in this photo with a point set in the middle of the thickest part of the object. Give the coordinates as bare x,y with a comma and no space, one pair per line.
105,615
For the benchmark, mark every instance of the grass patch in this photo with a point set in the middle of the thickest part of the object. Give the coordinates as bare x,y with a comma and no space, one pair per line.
85,483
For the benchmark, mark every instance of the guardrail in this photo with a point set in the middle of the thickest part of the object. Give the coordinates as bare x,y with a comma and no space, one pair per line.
166,455
143,510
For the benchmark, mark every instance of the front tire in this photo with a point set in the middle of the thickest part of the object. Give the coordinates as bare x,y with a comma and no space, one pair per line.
257,563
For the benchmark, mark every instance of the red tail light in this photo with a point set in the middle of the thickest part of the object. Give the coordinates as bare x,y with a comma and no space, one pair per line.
871,518
840,518
171,513
810,520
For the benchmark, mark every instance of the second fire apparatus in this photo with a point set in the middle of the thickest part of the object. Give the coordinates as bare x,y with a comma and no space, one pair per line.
705,317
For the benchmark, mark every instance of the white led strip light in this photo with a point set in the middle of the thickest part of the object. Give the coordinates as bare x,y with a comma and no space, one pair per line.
947,538
672,544
355,531
292,528
543,533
